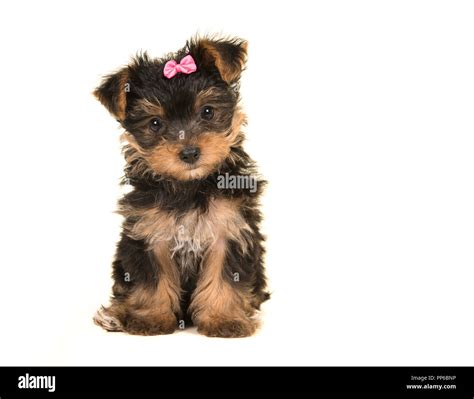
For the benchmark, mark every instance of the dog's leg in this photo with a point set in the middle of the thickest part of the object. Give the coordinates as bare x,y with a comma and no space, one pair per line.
147,300
221,307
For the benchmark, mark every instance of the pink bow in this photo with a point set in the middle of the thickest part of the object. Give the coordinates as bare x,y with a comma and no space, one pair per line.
187,66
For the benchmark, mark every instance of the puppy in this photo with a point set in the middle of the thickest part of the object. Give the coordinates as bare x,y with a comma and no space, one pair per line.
190,252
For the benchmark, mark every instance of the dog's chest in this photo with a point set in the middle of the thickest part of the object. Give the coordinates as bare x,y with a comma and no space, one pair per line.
189,234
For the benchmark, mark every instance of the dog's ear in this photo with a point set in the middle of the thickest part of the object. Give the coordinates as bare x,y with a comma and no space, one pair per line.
112,93
227,55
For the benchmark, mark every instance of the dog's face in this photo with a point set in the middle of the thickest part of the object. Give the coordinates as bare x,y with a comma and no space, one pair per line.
184,126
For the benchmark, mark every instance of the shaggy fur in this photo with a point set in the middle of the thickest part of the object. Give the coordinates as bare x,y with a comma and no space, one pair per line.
191,251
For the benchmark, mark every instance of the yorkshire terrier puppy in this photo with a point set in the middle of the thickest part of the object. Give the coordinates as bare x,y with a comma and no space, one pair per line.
191,251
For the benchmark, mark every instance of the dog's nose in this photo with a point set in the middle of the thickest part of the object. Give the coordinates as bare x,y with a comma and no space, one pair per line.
190,154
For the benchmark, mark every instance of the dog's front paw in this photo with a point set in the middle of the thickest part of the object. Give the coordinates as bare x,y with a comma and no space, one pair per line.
164,324
227,328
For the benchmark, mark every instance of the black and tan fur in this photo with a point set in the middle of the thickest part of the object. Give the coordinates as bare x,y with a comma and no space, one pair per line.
190,252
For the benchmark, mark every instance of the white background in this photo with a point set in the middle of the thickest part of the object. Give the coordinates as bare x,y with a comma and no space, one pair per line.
360,116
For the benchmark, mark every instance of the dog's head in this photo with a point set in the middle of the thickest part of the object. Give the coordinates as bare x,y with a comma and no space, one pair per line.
180,112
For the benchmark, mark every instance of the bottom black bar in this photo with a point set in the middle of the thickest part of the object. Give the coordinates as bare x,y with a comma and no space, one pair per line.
402,381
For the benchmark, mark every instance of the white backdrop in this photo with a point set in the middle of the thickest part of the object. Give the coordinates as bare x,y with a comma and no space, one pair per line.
361,118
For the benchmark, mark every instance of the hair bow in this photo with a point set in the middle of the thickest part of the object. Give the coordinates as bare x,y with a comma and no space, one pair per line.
186,65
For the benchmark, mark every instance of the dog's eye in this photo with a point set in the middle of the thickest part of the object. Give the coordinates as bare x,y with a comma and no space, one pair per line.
155,125
207,112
